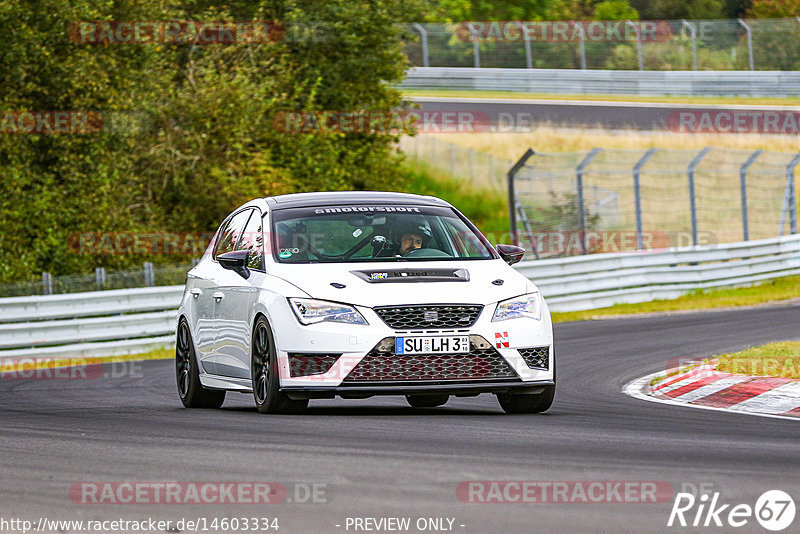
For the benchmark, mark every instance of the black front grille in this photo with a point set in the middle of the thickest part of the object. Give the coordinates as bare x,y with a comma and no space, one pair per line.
310,364
536,357
447,316
387,367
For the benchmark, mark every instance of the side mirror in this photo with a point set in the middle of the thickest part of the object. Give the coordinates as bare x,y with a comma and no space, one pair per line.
236,261
510,253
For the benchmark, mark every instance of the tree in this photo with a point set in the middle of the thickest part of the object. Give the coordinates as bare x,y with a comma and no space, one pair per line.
615,10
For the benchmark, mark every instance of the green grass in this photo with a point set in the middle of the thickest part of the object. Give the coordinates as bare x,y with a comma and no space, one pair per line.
770,291
789,101
486,208
774,359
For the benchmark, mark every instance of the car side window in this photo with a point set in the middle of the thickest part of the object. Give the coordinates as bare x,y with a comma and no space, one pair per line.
252,240
229,235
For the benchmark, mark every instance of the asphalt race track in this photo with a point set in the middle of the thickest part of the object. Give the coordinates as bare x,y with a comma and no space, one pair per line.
379,458
505,114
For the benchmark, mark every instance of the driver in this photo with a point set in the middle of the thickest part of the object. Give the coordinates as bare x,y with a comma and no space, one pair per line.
411,233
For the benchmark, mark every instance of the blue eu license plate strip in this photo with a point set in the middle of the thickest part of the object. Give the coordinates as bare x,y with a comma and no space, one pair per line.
432,345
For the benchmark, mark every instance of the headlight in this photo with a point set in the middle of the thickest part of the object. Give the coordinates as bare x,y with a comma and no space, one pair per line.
529,306
310,311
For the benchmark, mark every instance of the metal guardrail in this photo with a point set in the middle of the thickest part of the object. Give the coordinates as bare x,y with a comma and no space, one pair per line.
129,323
623,82
96,323
89,304
600,280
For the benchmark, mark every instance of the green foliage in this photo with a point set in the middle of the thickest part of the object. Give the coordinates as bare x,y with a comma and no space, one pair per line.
680,9
773,9
615,10
200,138
469,10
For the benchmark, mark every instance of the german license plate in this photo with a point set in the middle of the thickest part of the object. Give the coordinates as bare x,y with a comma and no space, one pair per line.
431,344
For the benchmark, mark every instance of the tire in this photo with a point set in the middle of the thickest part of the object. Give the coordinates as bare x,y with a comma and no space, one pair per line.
427,401
187,374
264,374
537,403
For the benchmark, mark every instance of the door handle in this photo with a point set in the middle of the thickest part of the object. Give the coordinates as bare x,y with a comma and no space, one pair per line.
196,292
218,295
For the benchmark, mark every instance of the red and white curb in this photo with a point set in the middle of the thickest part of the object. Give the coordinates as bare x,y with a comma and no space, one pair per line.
705,387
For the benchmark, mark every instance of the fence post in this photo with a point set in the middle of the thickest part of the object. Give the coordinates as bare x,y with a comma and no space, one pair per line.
424,36
639,53
692,200
693,33
789,200
149,275
476,53
749,42
743,188
100,277
579,185
637,196
582,42
512,195
473,171
527,38
47,284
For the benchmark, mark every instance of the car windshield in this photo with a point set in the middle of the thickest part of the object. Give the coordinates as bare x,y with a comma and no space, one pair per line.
358,233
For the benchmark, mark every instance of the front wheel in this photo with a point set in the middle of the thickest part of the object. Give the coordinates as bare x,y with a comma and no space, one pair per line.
264,374
190,390
536,403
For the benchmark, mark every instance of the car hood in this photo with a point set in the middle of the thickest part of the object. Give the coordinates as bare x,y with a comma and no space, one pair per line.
376,284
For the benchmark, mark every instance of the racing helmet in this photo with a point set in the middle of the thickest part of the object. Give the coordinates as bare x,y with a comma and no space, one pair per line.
412,225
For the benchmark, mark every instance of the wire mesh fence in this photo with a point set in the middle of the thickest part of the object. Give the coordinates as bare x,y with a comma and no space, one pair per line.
146,276
735,44
481,169
616,200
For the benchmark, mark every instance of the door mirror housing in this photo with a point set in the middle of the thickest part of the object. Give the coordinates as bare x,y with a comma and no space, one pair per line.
236,261
510,253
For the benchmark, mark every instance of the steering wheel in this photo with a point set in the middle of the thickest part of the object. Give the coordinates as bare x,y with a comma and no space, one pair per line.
426,253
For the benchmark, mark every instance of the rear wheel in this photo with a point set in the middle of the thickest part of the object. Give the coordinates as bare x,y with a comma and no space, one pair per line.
264,374
191,391
427,401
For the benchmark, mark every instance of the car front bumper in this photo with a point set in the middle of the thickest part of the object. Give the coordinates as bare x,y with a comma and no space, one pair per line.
351,344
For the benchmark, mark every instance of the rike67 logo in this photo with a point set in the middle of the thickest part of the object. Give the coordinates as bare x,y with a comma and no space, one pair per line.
774,510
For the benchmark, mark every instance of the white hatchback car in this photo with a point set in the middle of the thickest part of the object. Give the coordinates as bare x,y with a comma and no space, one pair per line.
355,294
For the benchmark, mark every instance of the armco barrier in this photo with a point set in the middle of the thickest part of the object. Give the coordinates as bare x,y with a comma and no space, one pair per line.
624,82
599,280
135,320
96,323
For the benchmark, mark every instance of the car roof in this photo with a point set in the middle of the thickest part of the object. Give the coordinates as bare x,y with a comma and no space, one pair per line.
332,198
